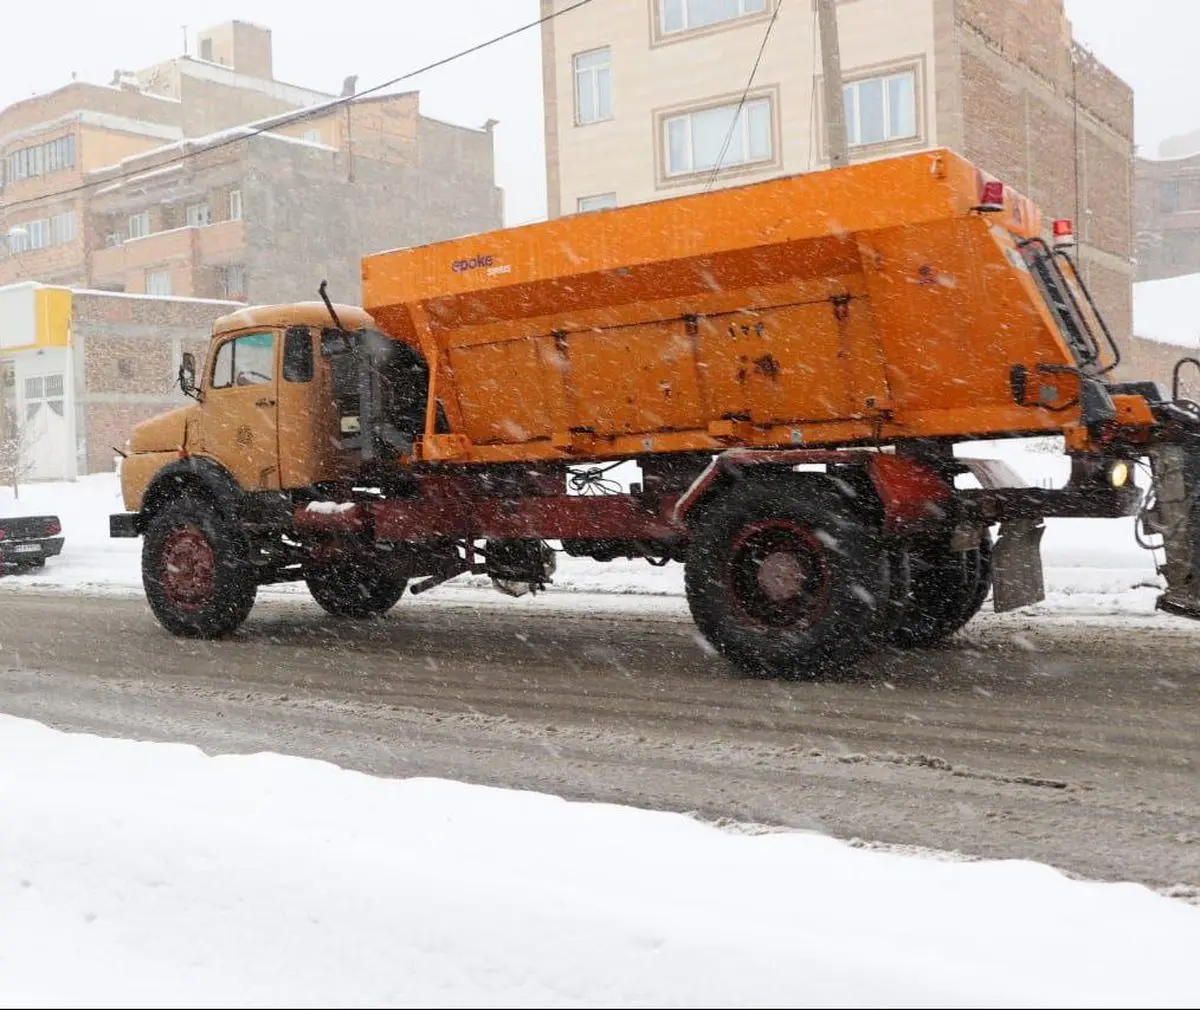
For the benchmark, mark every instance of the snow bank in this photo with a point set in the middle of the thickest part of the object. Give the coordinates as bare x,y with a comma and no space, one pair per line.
1093,566
140,874
1168,310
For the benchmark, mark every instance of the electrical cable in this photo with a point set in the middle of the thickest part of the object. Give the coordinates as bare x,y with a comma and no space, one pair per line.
301,114
745,94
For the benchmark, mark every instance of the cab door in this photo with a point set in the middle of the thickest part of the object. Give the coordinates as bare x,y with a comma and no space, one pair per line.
241,409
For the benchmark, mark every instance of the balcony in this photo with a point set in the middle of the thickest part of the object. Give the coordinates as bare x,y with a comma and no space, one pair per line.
196,246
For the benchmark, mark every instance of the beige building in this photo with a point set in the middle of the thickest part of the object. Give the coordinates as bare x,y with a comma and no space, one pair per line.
642,100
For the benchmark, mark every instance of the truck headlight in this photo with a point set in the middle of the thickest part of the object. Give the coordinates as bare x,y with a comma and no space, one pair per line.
1118,474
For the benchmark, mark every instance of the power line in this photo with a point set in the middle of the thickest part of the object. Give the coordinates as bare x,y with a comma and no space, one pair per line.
301,114
745,94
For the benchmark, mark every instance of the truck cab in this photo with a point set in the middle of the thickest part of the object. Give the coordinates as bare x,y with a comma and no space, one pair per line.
278,402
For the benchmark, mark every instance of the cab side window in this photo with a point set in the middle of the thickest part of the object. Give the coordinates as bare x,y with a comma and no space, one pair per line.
245,361
298,355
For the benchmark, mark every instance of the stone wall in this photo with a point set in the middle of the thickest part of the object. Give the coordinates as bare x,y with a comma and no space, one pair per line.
127,353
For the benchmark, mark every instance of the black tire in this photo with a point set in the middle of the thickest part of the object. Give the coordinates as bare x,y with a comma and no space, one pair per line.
946,590
358,589
196,570
825,601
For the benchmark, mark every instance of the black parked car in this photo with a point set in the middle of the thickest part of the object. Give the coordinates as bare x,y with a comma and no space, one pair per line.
27,541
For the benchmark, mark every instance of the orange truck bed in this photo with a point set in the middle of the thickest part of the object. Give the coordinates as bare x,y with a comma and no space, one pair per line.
865,304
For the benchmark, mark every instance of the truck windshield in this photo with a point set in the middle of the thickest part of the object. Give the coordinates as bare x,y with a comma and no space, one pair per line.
1071,304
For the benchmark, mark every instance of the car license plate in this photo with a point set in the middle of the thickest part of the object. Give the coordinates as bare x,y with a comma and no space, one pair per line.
27,548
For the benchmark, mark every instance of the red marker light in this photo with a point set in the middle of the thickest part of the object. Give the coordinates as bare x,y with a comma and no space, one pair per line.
1064,232
992,196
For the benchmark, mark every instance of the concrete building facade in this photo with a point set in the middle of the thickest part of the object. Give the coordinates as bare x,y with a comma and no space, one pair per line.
642,99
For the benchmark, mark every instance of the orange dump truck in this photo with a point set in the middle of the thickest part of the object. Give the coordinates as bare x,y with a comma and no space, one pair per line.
789,363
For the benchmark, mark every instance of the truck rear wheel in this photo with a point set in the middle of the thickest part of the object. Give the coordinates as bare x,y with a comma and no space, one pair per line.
357,588
785,579
946,589
196,571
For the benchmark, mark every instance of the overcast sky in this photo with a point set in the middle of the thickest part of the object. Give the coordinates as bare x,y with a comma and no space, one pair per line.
1152,44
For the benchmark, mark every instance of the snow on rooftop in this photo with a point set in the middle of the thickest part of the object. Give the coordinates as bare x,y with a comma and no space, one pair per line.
260,128
153,298
1168,310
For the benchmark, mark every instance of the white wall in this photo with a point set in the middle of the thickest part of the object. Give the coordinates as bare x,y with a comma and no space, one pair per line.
18,315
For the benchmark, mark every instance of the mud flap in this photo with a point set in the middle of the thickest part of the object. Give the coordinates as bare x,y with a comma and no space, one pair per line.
1176,518
1017,578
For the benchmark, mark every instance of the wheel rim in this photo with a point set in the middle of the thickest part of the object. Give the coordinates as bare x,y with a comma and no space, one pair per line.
778,575
188,571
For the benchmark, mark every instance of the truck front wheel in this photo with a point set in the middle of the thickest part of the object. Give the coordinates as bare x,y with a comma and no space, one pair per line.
785,579
359,587
196,571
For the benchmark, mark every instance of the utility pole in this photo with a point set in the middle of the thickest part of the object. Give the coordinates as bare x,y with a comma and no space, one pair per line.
831,66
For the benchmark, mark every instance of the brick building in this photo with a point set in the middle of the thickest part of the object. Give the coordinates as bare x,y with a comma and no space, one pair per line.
206,177
642,94
80,368
1167,210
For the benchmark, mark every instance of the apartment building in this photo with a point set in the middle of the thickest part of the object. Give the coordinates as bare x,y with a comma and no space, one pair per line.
644,101
195,177
263,213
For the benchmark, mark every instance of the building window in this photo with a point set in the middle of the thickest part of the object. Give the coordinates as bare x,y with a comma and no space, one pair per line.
311,136
235,205
62,228
139,225
39,234
42,159
1168,197
693,141
601,201
158,283
233,281
881,109
199,215
687,15
593,86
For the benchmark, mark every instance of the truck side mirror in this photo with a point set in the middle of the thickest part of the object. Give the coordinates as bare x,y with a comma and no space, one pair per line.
187,375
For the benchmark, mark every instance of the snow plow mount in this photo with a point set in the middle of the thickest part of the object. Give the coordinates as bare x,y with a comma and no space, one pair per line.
1172,510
